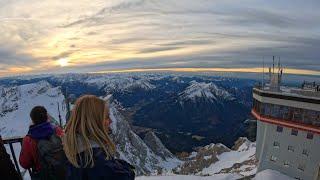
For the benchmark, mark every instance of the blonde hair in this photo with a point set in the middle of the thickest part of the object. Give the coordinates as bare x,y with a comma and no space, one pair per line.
87,124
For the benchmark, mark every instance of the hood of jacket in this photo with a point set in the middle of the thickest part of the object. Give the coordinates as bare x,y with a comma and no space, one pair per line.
41,131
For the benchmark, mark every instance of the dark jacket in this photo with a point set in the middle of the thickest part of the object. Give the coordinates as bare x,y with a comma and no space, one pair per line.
29,157
7,169
103,169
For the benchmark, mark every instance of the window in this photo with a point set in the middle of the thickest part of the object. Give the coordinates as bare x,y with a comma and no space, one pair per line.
301,167
276,112
268,109
279,129
291,148
276,144
297,114
309,136
273,158
294,132
305,152
286,164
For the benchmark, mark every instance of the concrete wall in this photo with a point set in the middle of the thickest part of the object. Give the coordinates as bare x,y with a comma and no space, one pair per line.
267,135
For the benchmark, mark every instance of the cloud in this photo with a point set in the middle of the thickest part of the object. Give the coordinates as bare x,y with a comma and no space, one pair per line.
158,49
63,54
11,57
99,35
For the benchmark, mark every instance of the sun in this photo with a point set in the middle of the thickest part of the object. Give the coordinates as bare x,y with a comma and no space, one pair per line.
63,62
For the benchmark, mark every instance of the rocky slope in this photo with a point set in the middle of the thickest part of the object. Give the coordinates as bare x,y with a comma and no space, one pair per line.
217,159
148,155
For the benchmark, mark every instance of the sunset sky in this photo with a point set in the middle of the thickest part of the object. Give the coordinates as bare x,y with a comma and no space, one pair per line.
61,36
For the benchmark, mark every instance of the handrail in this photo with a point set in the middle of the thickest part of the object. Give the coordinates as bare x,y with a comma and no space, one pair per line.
10,141
15,139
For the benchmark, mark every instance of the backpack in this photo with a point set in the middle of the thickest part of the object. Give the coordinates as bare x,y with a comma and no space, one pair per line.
52,159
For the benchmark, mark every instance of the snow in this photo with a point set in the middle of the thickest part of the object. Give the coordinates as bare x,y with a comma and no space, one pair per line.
193,155
226,160
135,151
208,91
17,102
264,175
271,175
185,177
116,82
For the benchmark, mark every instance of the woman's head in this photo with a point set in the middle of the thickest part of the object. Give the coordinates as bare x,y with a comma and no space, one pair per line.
88,122
39,115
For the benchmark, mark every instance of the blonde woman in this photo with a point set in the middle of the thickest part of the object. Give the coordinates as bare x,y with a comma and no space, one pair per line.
87,145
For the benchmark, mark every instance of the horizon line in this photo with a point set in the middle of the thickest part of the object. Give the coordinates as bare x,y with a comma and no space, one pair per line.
292,71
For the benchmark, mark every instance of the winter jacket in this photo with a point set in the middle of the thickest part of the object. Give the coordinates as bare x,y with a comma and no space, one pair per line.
7,169
103,169
29,157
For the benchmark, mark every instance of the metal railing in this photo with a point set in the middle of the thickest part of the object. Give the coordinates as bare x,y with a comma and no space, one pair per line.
10,142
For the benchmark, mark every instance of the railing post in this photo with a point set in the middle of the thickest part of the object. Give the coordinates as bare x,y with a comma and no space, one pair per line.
10,142
14,158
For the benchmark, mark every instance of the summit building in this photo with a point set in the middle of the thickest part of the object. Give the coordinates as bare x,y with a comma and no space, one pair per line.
288,127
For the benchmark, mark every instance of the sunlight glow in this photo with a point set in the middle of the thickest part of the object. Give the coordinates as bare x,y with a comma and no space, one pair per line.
63,62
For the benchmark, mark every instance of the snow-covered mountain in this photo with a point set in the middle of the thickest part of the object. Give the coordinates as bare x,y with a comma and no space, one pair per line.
217,159
178,106
263,175
206,91
148,155
16,103
114,83
109,83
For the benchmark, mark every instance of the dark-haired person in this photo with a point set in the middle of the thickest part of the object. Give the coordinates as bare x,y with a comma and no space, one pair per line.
42,131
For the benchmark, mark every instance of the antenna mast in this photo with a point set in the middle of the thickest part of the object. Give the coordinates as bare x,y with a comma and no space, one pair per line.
273,65
67,104
262,72
60,120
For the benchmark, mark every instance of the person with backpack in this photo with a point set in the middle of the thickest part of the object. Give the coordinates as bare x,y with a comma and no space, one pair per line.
88,147
42,149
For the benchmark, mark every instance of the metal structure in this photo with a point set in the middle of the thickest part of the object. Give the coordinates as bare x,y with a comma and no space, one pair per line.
288,128
10,142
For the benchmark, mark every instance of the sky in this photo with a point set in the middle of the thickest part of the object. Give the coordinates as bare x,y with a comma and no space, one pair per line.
72,36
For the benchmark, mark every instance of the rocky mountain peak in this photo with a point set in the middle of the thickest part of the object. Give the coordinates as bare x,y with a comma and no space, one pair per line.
202,90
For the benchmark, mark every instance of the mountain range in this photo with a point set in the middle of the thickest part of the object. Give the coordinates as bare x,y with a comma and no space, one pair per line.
184,111
141,145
